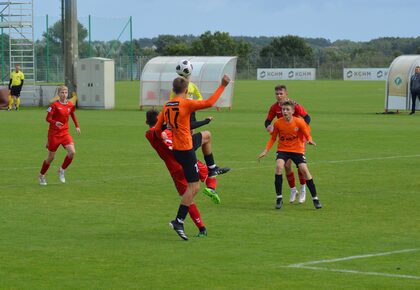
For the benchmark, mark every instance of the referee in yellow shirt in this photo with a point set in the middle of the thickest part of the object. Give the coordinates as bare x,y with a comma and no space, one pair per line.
15,87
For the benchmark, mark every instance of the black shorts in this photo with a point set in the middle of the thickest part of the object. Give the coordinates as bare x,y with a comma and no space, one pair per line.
297,158
197,139
15,91
188,161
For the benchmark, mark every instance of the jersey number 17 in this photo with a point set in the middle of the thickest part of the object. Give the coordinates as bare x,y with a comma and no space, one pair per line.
172,115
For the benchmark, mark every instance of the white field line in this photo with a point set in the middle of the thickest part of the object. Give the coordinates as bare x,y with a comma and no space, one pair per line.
225,162
305,265
359,272
353,257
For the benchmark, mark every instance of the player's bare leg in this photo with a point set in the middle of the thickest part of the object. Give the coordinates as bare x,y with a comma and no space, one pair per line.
311,185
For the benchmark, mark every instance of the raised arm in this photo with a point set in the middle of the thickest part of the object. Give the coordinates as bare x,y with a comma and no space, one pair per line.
199,105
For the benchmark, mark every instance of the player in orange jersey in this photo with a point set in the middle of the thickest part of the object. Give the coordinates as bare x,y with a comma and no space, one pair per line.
176,114
275,111
164,150
290,132
58,133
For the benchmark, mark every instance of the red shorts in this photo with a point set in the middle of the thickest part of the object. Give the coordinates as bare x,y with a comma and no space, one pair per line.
180,181
55,141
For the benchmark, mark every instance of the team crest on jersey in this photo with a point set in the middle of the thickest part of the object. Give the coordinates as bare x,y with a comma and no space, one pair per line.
49,109
296,129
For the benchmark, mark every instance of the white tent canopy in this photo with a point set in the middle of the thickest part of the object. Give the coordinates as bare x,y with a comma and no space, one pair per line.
159,73
398,96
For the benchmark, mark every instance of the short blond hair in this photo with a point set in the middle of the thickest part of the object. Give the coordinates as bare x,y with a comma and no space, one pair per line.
62,87
289,102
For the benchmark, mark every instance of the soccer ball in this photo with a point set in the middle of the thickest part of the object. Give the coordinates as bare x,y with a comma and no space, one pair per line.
184,68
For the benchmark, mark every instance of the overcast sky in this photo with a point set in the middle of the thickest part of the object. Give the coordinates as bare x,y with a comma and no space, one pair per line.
358,20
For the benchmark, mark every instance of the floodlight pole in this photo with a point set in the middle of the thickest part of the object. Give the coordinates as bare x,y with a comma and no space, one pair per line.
90,39
71,44
47,53
2,51
131,48
3,64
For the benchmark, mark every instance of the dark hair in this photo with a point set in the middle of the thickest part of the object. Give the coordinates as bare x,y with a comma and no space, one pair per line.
151,117
179,85
280,88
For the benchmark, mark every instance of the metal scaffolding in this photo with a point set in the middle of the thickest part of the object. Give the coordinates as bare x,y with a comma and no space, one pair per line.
17,17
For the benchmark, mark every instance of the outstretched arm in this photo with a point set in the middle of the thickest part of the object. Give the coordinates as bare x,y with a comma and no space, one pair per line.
199,105
197,124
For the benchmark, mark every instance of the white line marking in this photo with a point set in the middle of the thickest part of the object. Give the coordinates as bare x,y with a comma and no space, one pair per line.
305,265
353,258
358,272
225,162
368,159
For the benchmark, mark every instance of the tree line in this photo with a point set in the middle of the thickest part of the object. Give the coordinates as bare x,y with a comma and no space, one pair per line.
252,52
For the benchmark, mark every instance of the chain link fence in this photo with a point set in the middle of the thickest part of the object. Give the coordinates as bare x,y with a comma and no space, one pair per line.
126,69
115,35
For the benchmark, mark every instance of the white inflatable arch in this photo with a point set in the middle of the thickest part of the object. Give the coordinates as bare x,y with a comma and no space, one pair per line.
397,96
159,73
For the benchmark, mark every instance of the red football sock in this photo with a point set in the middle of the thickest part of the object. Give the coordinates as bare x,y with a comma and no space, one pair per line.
195,215
301,178
66,162
45,167
211,182
291,179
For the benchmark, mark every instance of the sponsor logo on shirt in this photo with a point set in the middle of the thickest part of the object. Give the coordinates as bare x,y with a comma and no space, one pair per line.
172,104
288,138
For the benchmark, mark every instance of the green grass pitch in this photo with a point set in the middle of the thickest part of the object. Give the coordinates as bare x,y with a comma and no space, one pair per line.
107,227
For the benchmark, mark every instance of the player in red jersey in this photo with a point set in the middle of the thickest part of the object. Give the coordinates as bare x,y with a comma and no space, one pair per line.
290,132
164,149
276,111
58,133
